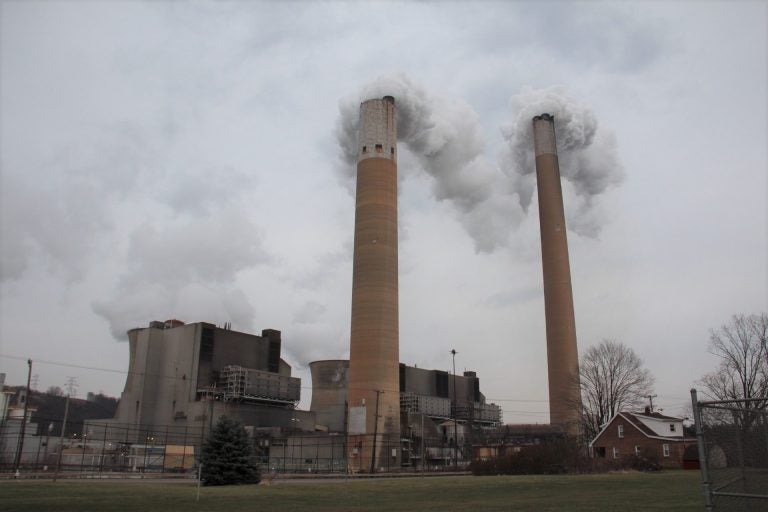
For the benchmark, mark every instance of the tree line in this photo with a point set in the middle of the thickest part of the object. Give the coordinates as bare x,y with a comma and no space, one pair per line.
612,377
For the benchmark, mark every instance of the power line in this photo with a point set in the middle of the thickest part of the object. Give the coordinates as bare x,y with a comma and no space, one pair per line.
176,377
69,365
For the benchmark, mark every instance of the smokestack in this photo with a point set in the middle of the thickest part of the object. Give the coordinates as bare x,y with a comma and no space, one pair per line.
374,390
562,354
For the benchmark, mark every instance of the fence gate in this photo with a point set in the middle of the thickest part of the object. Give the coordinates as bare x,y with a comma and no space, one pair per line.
733,453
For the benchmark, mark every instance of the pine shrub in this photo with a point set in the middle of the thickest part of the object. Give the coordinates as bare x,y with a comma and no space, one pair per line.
227,455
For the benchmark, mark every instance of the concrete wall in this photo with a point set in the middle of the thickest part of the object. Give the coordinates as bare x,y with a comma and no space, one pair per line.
162,375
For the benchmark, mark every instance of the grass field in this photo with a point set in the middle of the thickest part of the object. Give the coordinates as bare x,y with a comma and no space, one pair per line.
671,490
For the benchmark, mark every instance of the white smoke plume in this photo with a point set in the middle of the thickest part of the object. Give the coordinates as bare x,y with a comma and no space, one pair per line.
588,157
446,138
185,270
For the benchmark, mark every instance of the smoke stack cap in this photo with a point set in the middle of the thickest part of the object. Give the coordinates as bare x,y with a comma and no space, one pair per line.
390,99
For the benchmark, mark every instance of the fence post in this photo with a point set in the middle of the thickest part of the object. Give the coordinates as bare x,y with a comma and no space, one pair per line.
184,450
83,436
165,450
703,462
103,451
199,479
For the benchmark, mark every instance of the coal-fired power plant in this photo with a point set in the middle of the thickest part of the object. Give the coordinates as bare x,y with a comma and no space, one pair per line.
374,394
562,354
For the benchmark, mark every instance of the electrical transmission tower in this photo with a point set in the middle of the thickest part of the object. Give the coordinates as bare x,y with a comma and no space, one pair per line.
71,386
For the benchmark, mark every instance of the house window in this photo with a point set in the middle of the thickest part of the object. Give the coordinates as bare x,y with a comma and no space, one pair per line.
637,449
621,431
665,449
615,453
671,427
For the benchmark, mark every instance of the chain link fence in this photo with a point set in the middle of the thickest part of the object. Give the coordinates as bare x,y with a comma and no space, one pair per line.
733,453
103,450
98,449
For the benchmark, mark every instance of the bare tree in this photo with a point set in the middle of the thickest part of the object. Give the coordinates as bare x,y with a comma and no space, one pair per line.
743,369
612,378
54,391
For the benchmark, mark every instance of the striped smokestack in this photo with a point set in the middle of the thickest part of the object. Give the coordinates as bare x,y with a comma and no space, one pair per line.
374,394
562,354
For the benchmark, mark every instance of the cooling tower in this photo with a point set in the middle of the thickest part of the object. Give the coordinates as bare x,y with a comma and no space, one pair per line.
374,394
562,354
329,393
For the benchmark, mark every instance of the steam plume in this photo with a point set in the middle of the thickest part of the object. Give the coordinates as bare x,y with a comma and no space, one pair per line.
490,200
588,158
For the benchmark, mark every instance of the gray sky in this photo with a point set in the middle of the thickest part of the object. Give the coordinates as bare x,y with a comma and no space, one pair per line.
183,160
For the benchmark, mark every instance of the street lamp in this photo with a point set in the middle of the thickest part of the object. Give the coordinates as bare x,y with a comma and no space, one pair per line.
455,426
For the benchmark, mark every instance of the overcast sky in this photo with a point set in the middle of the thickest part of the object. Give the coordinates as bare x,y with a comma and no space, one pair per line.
187,160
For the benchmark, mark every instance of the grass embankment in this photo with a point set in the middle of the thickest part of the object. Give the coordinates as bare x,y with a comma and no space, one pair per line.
673,490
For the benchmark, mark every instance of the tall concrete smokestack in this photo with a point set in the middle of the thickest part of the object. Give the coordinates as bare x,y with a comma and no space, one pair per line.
374,358
562,354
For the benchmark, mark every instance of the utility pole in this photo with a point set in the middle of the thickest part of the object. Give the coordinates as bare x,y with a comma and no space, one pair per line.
650,398
455,423
17,462
375,431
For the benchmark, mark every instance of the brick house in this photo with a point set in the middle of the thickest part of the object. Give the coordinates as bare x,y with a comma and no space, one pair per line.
648,434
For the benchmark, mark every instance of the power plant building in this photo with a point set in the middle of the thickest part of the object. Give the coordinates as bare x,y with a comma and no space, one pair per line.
185,376
562,353
421,391
430,401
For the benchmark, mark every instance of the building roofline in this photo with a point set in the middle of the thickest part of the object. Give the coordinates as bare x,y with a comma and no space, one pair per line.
639,428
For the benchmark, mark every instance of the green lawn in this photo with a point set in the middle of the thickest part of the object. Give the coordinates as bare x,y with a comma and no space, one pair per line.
670,490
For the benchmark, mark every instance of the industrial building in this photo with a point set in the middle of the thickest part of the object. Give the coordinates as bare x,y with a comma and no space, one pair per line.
12,431
436,409
372,410
187,375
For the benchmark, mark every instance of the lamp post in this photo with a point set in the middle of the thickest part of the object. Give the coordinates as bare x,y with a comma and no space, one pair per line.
455,426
